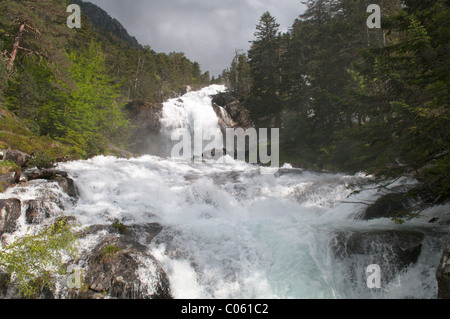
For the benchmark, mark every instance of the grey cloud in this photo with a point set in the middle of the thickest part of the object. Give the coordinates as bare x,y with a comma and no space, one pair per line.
207,31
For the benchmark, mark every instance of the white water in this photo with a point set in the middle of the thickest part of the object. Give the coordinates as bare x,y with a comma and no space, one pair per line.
232,232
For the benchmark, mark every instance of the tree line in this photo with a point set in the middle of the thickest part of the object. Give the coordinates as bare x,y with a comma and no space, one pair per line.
73,85
351,98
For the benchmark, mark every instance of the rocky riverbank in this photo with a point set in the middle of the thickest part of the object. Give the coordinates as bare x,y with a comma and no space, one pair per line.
112,263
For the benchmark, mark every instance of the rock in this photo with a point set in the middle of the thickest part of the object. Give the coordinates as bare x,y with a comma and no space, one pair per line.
4,283
121,268
185,90
390,206
68,186
36,211
443,273
31,174
18,157
145,119
9,179
235,109
10,210
392,250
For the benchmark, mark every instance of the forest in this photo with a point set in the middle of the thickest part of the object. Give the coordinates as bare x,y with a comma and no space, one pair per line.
69,91
351,98
346,97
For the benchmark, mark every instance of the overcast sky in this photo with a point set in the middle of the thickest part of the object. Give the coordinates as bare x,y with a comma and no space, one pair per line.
207,31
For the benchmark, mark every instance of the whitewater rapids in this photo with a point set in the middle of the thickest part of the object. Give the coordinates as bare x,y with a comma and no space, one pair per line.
230,231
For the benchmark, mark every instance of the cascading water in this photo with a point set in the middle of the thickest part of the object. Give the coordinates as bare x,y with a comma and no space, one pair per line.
231,232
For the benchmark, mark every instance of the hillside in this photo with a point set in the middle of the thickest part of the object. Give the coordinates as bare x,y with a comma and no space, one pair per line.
103,23
77,93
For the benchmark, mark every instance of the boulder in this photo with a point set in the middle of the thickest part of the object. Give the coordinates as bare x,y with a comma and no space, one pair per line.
10,210
68,186
234,108
394,205
394,251
120,266
9,179
443,273
18,157
36,211
47,174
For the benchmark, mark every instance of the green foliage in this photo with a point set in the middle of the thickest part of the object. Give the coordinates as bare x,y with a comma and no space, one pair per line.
41,160
350,98
88,115
121,228
34,259
71,85
109,253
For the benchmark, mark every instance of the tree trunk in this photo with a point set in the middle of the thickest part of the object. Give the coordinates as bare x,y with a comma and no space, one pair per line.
15,48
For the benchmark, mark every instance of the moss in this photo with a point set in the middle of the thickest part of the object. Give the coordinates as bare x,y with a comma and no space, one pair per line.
121,228
8,167
109,253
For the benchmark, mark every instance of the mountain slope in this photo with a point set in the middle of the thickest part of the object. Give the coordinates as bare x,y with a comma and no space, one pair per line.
103,22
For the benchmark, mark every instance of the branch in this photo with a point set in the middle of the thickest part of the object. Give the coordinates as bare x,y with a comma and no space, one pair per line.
16,47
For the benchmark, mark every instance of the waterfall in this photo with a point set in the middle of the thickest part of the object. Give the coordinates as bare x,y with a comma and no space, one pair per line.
229,231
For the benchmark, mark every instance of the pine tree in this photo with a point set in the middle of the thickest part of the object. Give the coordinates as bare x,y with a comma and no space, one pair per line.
264,59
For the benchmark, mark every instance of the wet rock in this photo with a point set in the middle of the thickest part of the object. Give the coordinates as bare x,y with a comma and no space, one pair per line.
10,210
36,211
18,157
47,174
68,186
8,180
62,178
185,90
443,273
235,109
146,120
395,205
392,250
121,268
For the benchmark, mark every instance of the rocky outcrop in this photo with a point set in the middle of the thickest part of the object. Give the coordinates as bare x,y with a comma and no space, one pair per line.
234,108
18,157
9,179
393,205
443,273
10,211
105,23
67,184
394,251
120,267
145,119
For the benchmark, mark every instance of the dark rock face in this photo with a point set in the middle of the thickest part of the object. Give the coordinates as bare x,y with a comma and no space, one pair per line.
235,108
9,179
10,210
443,273
67,184
146,120
392,250
115,266
390,206
18,157
36,211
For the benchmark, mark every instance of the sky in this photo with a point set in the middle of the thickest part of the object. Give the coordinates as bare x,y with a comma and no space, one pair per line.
207,31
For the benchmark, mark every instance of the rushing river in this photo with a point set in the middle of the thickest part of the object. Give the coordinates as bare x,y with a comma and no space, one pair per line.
230,231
